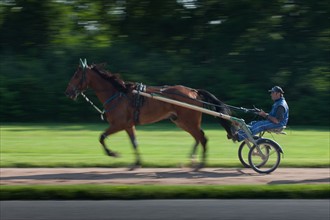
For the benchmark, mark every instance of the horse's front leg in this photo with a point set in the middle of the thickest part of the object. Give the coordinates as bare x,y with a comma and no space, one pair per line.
132,136
109,131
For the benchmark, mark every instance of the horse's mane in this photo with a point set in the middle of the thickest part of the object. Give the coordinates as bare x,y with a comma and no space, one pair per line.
114,79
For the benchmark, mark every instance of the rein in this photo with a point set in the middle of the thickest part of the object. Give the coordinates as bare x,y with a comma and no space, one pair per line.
92,104
241,109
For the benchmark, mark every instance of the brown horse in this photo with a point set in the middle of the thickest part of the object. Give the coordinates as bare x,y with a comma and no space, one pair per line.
123,109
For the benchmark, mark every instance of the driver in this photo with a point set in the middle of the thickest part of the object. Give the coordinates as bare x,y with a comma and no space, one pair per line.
276,118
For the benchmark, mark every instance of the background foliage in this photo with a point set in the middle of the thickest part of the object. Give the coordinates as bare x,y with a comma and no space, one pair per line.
235,49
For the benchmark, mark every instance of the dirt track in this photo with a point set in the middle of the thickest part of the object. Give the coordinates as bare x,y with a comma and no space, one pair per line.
161,176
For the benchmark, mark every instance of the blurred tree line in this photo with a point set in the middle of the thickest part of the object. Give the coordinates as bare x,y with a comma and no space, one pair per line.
235,49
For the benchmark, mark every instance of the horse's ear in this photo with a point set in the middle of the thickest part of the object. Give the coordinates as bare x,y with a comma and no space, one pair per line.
82,63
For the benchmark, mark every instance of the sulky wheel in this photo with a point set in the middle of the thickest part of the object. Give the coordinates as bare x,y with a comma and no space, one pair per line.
265,156
243,153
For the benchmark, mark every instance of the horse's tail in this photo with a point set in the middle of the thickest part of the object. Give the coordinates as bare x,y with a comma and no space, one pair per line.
219,106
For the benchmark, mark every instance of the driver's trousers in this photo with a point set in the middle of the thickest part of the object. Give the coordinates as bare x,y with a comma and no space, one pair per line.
257,127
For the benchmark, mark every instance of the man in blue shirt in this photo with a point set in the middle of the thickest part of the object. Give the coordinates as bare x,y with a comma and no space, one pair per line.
276,118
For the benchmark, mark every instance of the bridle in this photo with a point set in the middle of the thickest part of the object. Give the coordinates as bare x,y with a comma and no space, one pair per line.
75,88
83,77
80,92
84,66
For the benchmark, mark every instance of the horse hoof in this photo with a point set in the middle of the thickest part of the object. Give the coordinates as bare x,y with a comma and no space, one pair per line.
113,154
198,167
116,154
193,163
133,167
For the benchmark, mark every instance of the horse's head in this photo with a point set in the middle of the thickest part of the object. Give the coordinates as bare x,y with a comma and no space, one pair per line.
78,82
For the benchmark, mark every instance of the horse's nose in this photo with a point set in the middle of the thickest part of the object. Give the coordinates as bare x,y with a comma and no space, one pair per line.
68,94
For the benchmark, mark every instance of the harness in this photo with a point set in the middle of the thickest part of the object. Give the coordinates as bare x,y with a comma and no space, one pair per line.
138,101
108,101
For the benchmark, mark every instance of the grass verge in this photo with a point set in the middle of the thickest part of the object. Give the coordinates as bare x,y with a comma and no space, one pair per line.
135,192
160,145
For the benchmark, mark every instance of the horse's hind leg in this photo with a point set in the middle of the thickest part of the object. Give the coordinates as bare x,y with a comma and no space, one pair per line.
194,130
131,134
193,153
203,142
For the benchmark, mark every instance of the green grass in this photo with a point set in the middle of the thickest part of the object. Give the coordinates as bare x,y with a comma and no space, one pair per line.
101,192
161,145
